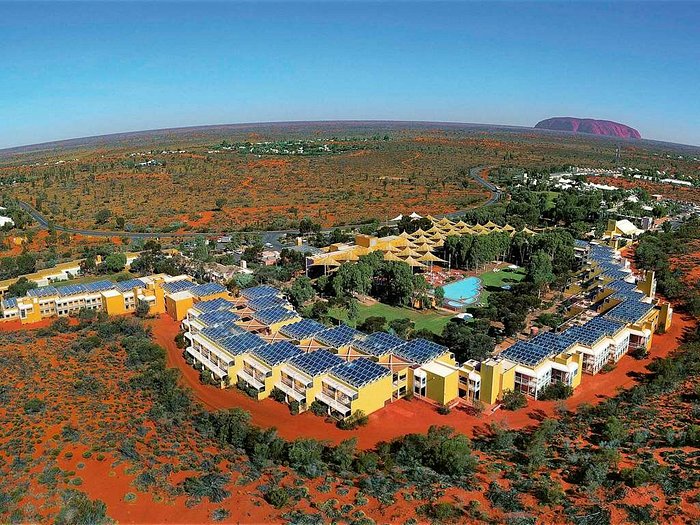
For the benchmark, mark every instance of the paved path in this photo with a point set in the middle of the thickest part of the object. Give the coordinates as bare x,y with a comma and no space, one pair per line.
271,237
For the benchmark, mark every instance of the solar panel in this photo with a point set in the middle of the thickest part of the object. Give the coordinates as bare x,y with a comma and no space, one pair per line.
276,353
338,336
527,353
218,332
621,286
129,285
558,343
212,305
629,311
420,350
44,291
10,302
316,362
378,343
274,315
302,329
242,343
259,291
203,290
178,286
360,372
71,289
218,317
268,301
98,286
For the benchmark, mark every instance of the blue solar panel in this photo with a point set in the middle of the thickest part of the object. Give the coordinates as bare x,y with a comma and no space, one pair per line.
621,286
420,351
44,291
274,315
527,353
629,311
129,285
218,332
98,286
203,290
557,342
269,301
316,362
339,336
360,372
276,353
259,291
212,305
242,343
218,317
303,329
378,343
70,289
178,286
10,302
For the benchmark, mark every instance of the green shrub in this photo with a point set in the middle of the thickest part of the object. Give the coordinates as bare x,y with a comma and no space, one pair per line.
514,400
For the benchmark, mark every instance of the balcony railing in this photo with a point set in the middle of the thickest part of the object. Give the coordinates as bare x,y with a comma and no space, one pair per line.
210,365
335,405
291,392
245,376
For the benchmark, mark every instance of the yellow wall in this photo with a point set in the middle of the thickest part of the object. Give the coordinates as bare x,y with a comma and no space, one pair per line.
442,389
33,314
114,305
178,308
373,396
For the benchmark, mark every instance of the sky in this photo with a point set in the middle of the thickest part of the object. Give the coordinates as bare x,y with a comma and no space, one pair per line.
75,69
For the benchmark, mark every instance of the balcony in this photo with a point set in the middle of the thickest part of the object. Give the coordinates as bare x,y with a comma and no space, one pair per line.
245,376
294,394
335,405
211,366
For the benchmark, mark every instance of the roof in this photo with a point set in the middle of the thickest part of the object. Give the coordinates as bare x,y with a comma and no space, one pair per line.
302,329
203,290
527,353
217,317
212,305
74,289
274,315
439,369
626,227
10,302
241,343
43,291
420,350
178,286
276,353
267,301
629,311
360,372
338,336
129,284
378,343
256,292
219,332
316,362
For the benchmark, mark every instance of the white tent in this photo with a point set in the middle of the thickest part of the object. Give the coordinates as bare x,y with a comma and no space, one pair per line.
397,218
414,215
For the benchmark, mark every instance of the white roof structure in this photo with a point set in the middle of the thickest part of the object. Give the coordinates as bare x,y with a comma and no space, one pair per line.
627,228
397,218
6,220
414,215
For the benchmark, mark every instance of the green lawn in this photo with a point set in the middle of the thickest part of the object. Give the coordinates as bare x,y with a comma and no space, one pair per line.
430,319
93,278
497,279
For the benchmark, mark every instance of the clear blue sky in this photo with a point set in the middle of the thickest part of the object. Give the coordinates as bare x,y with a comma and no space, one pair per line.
78,69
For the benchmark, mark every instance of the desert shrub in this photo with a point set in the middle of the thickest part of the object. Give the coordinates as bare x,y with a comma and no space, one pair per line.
318,408
643,514
277,497
209,485
556,391
78,509
305,456
506,500
357,419
246,389
69,433
294,407
34,406
441,512
129,497
514,400
443,410
220,514
549,491
49,476
441,449
278,395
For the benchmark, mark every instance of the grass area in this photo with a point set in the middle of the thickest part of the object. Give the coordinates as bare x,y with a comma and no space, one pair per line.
429,319
551,197
94,278
495,280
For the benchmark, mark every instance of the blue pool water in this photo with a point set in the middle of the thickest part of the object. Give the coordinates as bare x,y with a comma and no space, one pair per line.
462,293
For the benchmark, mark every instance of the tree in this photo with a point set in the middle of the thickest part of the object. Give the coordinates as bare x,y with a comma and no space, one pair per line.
439,294
121,222
513,400
142,308
374,323
114,262
220,203
301,291
102,216
402,327
353,308
393,282
20,287
465,342
306,225
539,270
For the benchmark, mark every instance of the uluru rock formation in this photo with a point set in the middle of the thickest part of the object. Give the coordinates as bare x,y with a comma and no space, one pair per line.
589,125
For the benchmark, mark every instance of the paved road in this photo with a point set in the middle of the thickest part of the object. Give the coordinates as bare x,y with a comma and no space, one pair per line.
271,237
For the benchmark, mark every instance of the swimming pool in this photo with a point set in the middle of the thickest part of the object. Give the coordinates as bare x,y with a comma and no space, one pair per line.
462,293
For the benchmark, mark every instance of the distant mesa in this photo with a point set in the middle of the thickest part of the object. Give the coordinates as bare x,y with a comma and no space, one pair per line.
590,126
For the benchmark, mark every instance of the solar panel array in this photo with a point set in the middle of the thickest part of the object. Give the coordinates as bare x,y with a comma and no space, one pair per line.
360,372
95,287
259,291
338,336
420,350
178,286
527,353
303,329
212,305
241,343
10,302
268,301
316,362
43,291
202,290
218,332
276,353
629,311
558,343
274,315
218,317
129,284
378,343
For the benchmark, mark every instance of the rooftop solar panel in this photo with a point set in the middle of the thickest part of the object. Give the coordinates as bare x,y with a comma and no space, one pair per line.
218,317
338,336
360,372
178,286
129,284
212,305
276,353
43,291
316,362
527,353
268,301
420,350
378,343
241,343
217,332
70,289
259,291
274,315
10,302
629,311
303,329
557,342
99,286
203,290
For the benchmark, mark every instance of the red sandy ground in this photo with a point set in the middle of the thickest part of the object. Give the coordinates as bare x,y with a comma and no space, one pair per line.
404,417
